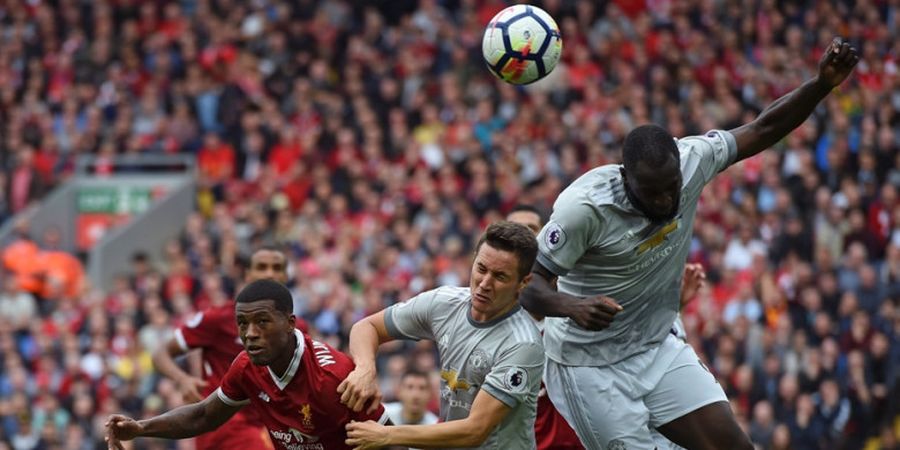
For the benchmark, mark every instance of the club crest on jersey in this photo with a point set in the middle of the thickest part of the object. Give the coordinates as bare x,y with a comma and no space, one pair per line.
306,412
659,237
478,363
555,237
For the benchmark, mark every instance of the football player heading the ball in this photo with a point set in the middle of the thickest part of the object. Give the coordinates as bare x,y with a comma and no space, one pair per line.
617,241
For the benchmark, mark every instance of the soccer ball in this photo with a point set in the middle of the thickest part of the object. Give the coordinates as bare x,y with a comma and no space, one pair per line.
521,44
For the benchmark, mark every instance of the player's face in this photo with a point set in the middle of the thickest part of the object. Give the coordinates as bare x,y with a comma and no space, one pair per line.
656,192
265,331
268,264
415,392
494,282
527,218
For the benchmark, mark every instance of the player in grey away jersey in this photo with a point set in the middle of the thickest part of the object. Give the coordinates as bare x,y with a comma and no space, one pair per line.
490,352
618,240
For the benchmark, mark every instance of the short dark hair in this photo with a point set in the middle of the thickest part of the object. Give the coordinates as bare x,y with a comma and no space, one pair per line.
648,144
268,290
248,263
526,208
415,373
512,237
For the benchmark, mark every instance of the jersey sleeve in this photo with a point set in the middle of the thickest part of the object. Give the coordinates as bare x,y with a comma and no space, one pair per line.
570,232
712,153
198,332
413,318
232,390
516,375
380,415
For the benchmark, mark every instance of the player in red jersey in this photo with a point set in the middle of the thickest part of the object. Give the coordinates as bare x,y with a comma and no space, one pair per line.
214,331
283,376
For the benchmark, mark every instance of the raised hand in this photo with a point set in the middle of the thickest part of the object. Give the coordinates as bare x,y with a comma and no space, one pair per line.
694,278
837,63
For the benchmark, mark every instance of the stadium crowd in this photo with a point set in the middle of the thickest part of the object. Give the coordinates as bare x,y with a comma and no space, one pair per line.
369,141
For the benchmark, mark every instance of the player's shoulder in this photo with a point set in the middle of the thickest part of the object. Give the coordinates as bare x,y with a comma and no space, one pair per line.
523,329
211,317
595,189
327,364
710,139
242,364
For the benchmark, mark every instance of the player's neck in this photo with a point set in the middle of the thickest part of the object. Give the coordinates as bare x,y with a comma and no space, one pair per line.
483,318
280,365
412,418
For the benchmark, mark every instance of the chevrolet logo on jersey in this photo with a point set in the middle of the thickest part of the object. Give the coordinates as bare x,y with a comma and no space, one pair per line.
657,239
453,380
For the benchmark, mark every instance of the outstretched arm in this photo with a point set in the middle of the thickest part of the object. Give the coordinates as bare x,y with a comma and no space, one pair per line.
487,412
179,423
791,110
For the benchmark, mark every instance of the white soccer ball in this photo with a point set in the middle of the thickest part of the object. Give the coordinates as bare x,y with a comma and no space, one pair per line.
521,44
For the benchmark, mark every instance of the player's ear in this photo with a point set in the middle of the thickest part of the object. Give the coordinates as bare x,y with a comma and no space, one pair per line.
292,321
524,282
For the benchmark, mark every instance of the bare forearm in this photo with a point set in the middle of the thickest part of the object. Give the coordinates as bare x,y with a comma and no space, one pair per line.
165,364
364,344
540,298
455,433
783,116
180,423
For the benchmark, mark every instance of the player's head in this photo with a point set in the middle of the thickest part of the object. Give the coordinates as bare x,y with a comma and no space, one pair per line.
502,268
414,392
265,319
527,215
267,263
652,172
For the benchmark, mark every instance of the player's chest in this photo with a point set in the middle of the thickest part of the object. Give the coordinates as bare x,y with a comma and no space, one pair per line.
466,358
295,418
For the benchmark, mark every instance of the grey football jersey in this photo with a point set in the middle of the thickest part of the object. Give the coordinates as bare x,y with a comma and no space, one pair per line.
503,357
598,243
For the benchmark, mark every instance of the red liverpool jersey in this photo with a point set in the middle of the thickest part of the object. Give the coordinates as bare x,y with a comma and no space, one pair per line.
301,409
214,330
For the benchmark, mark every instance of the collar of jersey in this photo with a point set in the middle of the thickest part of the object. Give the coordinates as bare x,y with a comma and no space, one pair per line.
492,322
283,381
